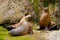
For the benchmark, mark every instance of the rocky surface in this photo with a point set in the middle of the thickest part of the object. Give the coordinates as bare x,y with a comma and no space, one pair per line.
47,35
12,10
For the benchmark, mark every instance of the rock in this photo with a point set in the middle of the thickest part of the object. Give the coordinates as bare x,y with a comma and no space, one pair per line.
12,10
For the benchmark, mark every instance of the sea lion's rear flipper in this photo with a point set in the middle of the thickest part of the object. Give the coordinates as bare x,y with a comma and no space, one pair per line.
55,27
9,28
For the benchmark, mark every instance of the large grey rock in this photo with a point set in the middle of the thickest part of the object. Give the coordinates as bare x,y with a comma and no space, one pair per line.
12,10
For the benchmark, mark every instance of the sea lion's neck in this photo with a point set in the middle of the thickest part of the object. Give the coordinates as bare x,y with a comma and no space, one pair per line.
46,13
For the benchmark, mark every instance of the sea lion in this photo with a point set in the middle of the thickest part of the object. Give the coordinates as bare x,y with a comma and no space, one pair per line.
45,20
24,28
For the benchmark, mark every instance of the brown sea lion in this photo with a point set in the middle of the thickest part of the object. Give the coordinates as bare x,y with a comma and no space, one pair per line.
45,20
